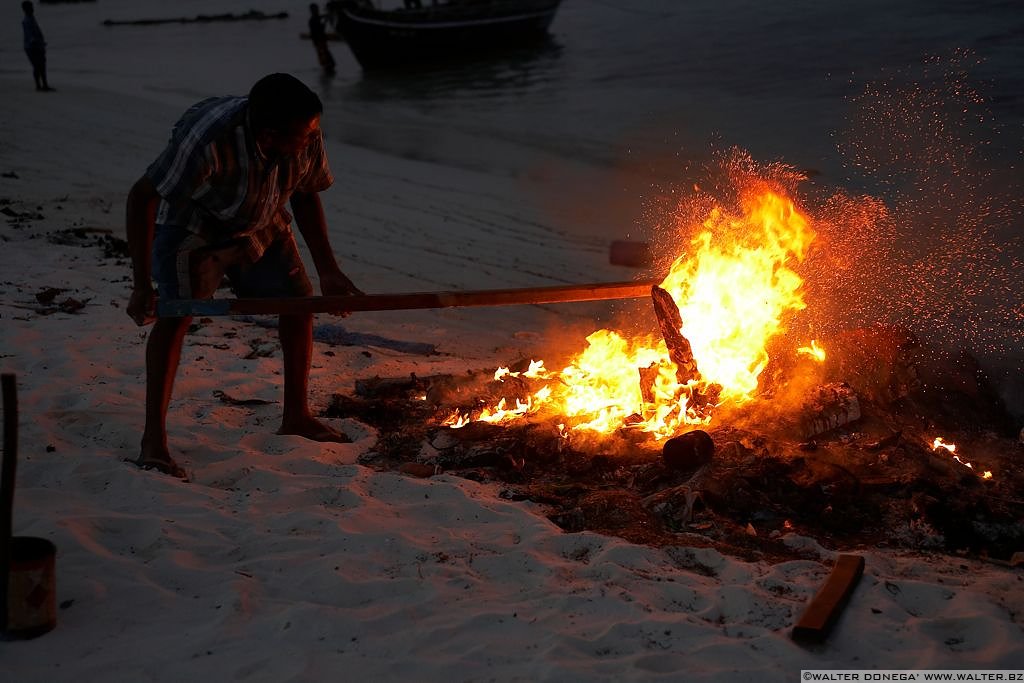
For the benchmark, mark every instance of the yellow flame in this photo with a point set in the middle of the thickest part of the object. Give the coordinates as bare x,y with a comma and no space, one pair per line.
813,351
456,420
601,387
939,442
733,290
535,371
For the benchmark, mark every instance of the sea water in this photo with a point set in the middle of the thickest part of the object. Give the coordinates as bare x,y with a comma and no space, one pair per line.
627,79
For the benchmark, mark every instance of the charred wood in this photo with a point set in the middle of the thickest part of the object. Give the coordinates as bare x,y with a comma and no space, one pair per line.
671,324
677,506
688,451
648,376
827,408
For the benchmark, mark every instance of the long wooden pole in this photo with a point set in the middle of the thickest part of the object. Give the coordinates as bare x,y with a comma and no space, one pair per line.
409,301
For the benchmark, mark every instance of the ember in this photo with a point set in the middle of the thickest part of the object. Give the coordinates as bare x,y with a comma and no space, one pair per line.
814,351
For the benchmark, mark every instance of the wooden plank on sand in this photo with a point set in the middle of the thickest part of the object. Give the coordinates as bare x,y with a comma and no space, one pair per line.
826,606
408,301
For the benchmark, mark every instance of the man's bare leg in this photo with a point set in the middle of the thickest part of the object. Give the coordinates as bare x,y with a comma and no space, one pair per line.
163,353
296,333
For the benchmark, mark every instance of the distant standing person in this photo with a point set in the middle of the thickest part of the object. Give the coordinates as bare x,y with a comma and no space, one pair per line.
35,46
319,37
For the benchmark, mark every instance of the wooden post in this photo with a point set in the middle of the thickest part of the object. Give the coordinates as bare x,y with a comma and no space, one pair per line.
10,404
28,596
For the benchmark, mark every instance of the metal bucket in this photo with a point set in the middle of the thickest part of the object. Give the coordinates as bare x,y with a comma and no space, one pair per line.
31,588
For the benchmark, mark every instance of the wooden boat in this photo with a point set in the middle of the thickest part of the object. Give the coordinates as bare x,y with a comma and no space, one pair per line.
438,30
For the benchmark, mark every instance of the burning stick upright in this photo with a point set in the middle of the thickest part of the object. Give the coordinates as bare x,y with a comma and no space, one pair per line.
679,349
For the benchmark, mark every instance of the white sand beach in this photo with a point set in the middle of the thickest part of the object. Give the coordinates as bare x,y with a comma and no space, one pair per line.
288,560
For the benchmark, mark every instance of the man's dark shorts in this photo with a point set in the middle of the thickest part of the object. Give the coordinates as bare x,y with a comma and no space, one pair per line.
36,55
186,267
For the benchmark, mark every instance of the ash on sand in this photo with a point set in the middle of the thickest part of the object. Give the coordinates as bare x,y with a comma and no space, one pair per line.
873,481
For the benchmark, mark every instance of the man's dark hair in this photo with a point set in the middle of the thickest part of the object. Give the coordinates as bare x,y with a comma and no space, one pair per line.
26,6
279,101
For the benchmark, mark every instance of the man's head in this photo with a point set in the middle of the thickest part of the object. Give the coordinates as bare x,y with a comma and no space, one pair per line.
284,114
27,7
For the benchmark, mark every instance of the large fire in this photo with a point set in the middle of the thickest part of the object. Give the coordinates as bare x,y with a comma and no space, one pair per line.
734,287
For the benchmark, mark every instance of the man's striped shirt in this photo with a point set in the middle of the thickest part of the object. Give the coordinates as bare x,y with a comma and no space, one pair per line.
214,181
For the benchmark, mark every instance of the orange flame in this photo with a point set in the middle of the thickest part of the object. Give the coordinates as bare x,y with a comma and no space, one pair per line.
733,291
939,442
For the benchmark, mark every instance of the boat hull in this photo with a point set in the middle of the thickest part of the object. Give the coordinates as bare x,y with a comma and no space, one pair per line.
387,39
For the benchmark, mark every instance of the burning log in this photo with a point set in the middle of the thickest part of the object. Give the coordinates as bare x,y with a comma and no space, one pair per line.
671,324
829,407
687,374
648,376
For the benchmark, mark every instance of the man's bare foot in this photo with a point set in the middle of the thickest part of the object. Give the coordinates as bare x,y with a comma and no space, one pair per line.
159,459
314,430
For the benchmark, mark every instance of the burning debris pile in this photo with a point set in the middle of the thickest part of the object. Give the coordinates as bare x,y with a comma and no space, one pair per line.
879,472
726,428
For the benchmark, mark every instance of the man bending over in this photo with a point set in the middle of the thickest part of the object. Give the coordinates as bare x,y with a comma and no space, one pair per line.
214,204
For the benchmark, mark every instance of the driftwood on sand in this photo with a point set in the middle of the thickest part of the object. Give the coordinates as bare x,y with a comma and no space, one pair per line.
251,15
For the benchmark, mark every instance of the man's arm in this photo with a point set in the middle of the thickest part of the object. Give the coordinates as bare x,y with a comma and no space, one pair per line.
140,218
309,217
